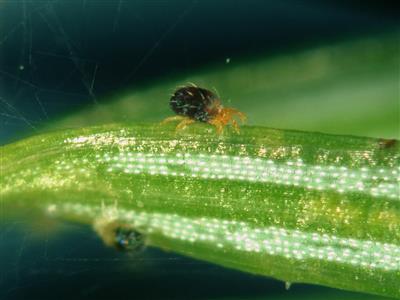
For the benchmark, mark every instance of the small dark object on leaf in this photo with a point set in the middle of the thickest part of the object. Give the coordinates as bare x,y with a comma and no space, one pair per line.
387,143
127,239
119,236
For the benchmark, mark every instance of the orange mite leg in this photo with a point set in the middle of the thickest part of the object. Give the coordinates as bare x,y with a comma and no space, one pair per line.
241,116
172,119
218,124
220,128
227,115
235,126
234,112
185,122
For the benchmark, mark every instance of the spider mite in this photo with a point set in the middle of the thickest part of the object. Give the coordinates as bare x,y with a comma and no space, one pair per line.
119,236
387,143
192,103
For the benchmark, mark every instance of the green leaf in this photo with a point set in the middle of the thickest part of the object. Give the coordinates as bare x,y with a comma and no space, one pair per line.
297,206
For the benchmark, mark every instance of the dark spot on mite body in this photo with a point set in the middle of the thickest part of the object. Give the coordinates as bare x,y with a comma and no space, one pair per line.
193,102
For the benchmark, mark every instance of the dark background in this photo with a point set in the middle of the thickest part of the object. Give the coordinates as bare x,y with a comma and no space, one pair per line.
59,56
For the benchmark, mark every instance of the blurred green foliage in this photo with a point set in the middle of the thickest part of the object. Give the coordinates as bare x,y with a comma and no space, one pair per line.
347,88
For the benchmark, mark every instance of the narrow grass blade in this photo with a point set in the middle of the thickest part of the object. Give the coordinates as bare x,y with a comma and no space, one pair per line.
297,206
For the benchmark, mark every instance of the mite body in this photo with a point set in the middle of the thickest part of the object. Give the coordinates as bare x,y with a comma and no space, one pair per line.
119,236
192,103
387,143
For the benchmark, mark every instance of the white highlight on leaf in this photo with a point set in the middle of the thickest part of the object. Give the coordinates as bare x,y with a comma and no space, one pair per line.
220,234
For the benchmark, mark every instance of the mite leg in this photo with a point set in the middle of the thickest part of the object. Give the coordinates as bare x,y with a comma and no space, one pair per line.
228,116
219,127
241,116
216,122
185,122
235,126
172,119
234,112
